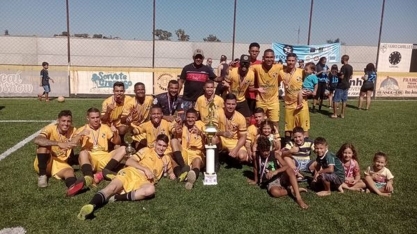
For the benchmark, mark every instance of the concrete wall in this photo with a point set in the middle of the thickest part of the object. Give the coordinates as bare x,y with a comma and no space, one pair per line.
129,53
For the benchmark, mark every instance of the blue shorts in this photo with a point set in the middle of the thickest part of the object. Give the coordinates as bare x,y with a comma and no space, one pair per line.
46,88
302,165
340,95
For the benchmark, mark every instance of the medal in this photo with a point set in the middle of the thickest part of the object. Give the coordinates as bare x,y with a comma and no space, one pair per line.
96,147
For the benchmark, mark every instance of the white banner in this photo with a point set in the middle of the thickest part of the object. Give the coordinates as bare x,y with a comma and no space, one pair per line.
394,57
101,82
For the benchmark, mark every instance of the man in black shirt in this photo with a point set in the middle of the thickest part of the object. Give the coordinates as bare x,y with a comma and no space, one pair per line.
342,88
193,77
169,102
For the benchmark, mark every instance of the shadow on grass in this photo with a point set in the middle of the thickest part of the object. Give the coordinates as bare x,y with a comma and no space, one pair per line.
248,174
2,107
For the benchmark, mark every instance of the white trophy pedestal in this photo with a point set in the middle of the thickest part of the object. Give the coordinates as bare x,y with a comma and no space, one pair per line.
210,176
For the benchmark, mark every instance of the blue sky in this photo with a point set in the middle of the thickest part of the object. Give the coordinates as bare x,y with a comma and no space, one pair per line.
355,22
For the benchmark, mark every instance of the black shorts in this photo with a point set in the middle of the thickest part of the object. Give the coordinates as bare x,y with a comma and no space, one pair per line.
243,108
321,87
367,86
332,87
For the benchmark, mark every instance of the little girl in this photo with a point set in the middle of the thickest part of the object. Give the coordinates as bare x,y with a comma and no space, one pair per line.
349,157
333,80
267,129
378,178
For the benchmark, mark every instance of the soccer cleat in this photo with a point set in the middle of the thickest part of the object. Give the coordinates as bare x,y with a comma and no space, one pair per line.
85,211
75,188
88,181
42,181
98,177
182,177
108,174
191,177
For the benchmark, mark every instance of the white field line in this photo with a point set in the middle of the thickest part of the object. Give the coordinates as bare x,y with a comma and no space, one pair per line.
20,144
25,121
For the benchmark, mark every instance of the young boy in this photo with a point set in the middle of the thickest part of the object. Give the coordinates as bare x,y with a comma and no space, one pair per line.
378,178
45,82
309,84
297,153
259,116
270,171
328,169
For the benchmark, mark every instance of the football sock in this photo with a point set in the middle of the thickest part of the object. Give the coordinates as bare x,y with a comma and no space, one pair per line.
177,171
178,158
197,172
98,199
130,196
43,163
87,170
111,164
70,181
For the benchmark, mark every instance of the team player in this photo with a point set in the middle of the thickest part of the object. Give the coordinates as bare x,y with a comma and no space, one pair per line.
292,79
253,130
232,130
239,81
95,155
208,100
189,143
136,181
55,144
112,109
253,51
268,80
193,77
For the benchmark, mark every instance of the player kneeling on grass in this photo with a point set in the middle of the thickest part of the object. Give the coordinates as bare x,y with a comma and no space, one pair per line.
329,172
94,155
271,171
55,143
136,181
188,147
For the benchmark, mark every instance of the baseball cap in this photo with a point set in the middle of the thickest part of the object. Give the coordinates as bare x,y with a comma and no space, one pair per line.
198,52
244,58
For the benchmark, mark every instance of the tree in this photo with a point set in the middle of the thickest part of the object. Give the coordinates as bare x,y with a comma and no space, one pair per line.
98,36
6,32
337,40
212,38
181,35
162,35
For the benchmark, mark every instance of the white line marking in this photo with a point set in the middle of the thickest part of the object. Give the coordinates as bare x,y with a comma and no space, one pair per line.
20,144
25,121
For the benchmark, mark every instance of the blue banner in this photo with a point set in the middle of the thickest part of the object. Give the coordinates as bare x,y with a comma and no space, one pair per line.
308,53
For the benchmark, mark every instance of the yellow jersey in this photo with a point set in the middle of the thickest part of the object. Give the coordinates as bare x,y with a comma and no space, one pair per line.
293,83
51,132
151,132
190,140
116,114
239,85
97,140
147,157
236,124
140,112
252,133
202,105
269,80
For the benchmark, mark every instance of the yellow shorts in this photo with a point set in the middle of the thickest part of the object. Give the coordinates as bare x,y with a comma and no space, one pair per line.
229,144
300,118
189,155
271,109
99,160
55,165
132,179
139,137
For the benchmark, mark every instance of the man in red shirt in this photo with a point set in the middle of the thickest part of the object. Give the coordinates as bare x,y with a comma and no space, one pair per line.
254,49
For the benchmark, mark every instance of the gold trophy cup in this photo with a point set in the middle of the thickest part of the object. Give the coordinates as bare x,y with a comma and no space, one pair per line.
210,177
129,148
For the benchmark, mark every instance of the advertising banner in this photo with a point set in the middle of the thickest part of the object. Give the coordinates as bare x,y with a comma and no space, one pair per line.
308,53
394,57
397,86
162,79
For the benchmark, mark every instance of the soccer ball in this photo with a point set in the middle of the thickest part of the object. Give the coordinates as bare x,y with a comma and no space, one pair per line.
61,99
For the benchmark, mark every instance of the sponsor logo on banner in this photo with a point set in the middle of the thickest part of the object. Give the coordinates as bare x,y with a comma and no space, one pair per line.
355,86
308,53
12,83
391,86
162,80
394,57
103,80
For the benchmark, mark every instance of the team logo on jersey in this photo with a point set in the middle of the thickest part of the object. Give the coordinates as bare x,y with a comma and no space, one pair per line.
103,135
299,79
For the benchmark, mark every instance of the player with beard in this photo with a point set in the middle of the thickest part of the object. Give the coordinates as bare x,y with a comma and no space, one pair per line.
112,109
170,102
136,181
253,51
203,102
239,81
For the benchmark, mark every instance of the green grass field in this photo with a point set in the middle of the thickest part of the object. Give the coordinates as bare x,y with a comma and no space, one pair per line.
232,206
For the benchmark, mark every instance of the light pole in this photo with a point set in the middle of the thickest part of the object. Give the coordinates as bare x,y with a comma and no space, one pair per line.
379,41
68,48
309,22
234,30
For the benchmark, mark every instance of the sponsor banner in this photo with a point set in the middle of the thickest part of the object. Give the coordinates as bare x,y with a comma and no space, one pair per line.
355,85
394,57
101,82
25,82
308,53
397,86
162,79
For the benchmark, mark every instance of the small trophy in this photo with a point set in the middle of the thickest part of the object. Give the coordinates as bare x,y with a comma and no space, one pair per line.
129,148
210,176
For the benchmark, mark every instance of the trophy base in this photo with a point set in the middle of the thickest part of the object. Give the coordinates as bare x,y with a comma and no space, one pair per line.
210,179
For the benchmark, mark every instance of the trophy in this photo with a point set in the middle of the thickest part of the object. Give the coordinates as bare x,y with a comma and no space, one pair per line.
210,177
129,148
